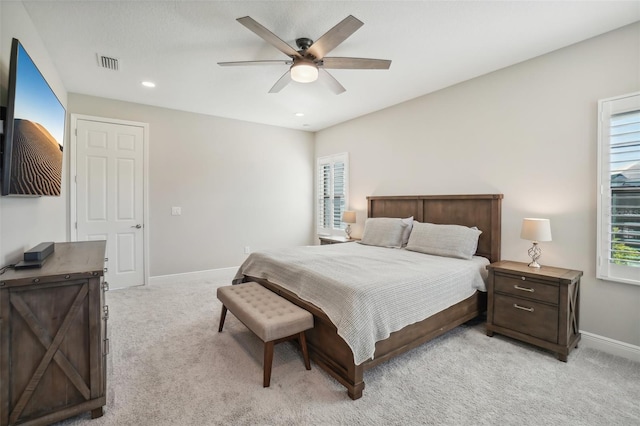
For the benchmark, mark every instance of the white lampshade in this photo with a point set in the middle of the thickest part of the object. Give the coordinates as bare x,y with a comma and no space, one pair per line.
304,71
534,229
349,216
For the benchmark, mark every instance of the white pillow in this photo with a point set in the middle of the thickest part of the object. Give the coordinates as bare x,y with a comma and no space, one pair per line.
444,240
383,232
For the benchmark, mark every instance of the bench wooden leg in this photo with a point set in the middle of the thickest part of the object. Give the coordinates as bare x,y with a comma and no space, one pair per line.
223,315
268,360
305,354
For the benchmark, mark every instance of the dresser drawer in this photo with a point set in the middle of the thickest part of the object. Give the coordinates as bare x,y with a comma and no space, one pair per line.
522,286
526,316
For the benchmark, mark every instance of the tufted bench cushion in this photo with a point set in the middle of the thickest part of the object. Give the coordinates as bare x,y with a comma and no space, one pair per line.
269,316
265,313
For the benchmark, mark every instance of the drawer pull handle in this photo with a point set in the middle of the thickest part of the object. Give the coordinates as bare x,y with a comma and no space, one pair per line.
515,305
523,278
517,287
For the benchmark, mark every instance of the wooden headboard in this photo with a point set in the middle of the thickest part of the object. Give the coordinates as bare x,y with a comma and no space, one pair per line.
482,211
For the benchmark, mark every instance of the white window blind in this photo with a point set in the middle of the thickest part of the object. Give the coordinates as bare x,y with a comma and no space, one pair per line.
619,186
332,190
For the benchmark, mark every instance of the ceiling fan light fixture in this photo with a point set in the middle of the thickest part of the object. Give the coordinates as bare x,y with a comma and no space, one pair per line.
304,72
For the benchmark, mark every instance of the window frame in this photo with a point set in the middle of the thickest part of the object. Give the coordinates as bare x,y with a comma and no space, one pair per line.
606,270
331,160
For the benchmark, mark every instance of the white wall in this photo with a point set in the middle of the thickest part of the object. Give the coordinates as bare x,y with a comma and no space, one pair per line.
26,222
238,184
527,131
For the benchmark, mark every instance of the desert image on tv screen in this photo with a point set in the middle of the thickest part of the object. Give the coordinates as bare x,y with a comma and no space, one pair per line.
38,132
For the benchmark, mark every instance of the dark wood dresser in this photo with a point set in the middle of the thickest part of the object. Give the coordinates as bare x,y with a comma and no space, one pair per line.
53,343
540,306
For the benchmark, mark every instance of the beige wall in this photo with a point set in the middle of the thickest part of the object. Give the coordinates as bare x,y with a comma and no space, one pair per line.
527,131
238,184
26,222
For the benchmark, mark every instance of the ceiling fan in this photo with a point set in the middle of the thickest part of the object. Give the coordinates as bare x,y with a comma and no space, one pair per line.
309,62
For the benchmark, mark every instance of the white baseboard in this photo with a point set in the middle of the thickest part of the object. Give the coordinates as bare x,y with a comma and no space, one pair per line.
611,346
221,275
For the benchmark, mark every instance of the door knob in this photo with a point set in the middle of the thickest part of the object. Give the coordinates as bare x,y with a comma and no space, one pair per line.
138,226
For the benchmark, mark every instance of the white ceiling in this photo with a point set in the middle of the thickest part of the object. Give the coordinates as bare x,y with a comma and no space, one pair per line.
177,44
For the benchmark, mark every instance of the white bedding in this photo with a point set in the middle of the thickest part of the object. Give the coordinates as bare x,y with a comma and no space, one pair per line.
369,292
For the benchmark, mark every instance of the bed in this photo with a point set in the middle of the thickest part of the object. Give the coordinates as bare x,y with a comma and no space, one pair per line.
344,361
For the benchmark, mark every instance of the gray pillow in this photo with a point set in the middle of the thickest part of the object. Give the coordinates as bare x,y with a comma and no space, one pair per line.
407,230
383,232
444,240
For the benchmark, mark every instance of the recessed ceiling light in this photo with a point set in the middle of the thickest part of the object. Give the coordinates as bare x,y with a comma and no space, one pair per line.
299,114
148,84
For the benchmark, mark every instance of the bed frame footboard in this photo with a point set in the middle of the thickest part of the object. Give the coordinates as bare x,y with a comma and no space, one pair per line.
331,353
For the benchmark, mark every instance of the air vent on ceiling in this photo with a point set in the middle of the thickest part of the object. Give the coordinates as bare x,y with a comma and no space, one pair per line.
108,62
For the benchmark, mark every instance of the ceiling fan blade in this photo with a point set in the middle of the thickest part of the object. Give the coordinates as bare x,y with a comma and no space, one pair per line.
281,83
331,81
356,63
335,36
268,36
240,63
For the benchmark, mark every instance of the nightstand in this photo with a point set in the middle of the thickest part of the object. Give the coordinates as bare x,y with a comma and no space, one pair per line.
334,239
537,306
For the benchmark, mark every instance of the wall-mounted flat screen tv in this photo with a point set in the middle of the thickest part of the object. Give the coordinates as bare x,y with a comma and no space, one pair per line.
33,131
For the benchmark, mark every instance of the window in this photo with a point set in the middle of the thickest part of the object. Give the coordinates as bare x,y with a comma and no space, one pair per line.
619,186
333,192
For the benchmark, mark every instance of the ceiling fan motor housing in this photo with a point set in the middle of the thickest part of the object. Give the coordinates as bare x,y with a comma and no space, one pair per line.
304,43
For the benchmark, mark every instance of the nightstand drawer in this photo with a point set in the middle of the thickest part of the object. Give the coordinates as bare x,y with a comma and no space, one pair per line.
522,286
526,316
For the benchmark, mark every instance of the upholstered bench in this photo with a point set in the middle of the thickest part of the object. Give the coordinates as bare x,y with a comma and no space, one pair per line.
269,316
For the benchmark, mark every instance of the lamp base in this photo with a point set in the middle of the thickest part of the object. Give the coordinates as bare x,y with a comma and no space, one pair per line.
534,253
347,231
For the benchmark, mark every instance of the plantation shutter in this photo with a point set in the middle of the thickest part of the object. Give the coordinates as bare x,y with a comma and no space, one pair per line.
324,200
339,181
619,184
332,193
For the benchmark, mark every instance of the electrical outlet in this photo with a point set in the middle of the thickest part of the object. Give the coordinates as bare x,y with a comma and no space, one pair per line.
176,211
247,250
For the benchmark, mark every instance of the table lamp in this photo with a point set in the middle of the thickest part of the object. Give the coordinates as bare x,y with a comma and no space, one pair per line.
348,217
535,230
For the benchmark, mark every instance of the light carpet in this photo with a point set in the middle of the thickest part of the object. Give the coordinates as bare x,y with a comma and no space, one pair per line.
169,366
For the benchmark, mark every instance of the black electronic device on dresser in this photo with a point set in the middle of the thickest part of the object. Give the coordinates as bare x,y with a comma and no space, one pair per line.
540,306
35,257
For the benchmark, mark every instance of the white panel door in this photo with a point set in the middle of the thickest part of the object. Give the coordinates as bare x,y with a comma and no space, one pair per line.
109,196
